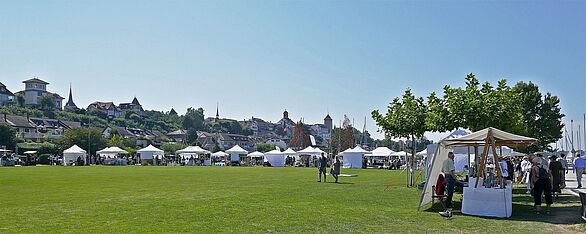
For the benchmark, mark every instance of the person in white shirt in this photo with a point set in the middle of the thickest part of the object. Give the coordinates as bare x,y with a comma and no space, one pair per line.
526,169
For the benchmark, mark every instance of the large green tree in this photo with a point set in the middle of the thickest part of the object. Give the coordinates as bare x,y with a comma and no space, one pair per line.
84,138
7,136
405,117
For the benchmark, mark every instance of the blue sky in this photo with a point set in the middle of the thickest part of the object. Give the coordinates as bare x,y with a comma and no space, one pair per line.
257,58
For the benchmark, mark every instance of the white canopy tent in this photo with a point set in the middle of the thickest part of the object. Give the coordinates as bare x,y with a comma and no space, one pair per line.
70,155
189,151
310,151
422,153
150,152
352,158
276,158
486,138
290,152
256,154
111,152
235,153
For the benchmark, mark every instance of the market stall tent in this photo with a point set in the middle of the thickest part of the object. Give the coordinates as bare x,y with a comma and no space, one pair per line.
150,152
487,138
380,152
111,152
235,153
276,158
256,154
352,158
70,155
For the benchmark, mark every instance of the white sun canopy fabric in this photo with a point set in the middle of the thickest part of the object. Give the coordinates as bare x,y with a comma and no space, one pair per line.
256,154
111,152
310,151
74,149
353,157
219,154
380,152
473,139
192,150
150,152
235,152
289,151
275,158
399,154
422,153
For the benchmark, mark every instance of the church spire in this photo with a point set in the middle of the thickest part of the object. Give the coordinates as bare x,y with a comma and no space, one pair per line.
70,105
217,111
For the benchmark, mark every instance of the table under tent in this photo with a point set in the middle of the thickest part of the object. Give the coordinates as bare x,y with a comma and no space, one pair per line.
149,154
111,156
74,155
487,193
237,153
6,158
379,157
194,155
219,158
309,155
275,158
255,158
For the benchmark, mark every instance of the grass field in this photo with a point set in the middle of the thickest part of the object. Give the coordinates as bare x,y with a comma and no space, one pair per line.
239,199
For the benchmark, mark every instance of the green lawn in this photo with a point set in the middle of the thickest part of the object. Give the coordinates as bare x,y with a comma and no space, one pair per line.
238,199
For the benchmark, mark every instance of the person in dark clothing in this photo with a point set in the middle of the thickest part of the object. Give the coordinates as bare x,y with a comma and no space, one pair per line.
541,184
323,163
336,169
557,171
510,170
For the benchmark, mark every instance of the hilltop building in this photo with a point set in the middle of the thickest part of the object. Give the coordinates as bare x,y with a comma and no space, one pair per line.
134,105
35,88
6,97
111,110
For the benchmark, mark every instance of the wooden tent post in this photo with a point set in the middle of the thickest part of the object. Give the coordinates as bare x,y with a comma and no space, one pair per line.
497,164
480,171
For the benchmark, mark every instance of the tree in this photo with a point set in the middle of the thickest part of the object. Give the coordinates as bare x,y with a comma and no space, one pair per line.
262,147
300,137
46,102
7,136
171,148
20,100
83,137
191,137
541,116
404,118
193,119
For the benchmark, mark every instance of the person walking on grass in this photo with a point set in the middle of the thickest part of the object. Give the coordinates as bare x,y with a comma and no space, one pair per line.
336,169
322,164
449,170
541,184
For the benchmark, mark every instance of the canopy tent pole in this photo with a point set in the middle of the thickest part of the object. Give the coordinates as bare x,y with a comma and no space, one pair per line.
480,171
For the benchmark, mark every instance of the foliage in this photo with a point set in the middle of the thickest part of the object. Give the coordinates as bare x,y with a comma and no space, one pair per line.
193,119
7,136
48,148
171,148
191,137
46,102
342,138
541,116
20,100
404,118
83,137
300,137
263,147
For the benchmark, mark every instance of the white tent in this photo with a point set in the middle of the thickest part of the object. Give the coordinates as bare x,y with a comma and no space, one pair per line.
353,157
478,138
150,152
256,154
70,155
235,153
380,152
189,151
422,153
111,152
276,158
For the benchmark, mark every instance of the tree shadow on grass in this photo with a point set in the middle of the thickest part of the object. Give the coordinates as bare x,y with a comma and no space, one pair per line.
565,209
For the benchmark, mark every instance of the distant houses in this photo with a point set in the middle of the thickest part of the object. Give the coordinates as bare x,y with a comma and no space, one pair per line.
113,111
6,97
29,128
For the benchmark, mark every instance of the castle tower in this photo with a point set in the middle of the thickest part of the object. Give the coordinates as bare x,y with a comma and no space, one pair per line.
285,114
328,123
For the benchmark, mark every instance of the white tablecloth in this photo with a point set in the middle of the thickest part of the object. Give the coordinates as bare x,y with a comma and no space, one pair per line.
492,202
